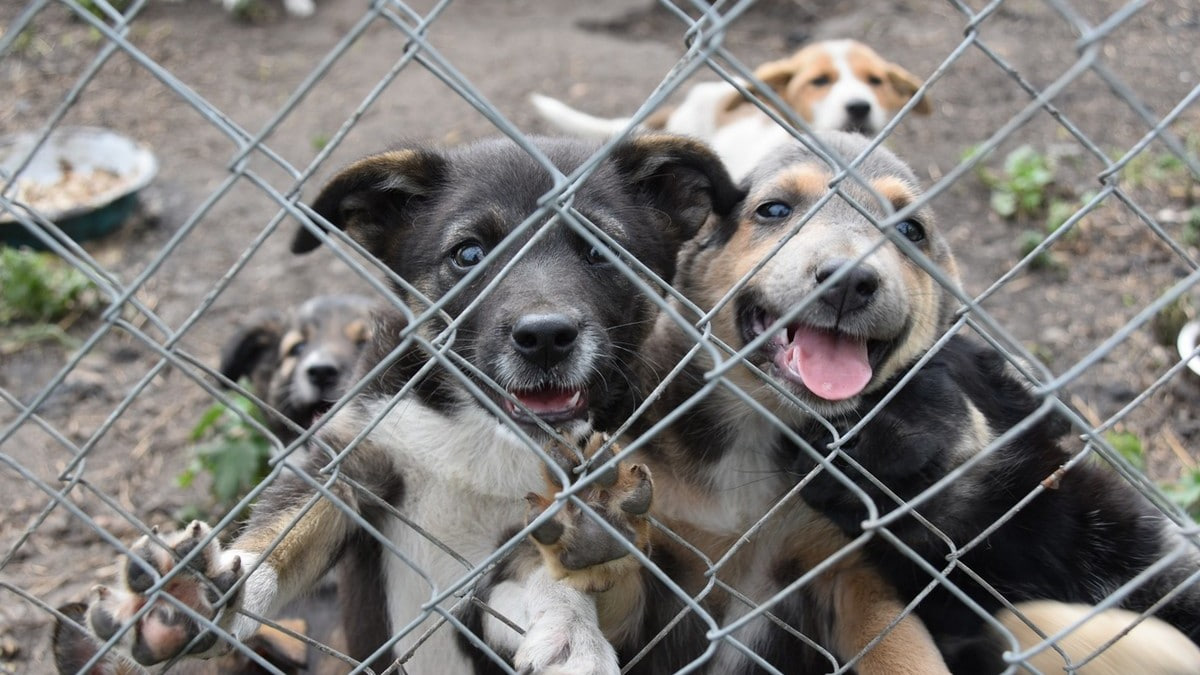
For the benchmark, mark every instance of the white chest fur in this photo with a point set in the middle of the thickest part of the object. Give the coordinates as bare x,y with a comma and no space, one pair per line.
465,480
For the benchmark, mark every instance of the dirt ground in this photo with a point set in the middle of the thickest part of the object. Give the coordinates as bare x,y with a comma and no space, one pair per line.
605,57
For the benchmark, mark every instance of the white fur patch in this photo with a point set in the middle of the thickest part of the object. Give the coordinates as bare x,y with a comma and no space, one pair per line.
465,479
258,592
564,632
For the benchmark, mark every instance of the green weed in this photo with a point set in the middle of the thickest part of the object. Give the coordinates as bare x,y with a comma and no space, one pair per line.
1022,188
41,288
1183,492
230,449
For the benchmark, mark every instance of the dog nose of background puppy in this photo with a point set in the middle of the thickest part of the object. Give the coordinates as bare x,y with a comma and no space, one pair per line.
322,375
853,291
544,339
858,110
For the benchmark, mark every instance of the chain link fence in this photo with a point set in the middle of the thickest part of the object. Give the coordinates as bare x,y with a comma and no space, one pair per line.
1061,158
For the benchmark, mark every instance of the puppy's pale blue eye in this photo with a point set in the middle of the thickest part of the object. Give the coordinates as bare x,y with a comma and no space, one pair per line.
595,256
297,349
773,210
911,230
468,254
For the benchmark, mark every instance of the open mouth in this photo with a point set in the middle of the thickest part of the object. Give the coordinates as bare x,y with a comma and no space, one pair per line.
549,404
831,364
318,410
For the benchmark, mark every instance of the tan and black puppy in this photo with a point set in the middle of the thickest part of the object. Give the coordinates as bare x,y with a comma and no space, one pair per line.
834,312
301,362
536,329
830,313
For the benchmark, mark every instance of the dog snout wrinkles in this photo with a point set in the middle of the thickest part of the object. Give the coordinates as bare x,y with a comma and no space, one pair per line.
544,339
853,291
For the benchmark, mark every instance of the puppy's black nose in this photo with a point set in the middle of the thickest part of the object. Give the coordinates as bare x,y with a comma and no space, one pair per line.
322,375
544,339
858,110
853,291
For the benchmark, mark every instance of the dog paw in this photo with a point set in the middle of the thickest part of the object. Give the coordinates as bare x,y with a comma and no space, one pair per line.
564,634
565,642
165,631
574,545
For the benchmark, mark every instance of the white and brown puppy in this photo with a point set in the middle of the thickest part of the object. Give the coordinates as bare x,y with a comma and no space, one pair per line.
301,362
442,472
839,85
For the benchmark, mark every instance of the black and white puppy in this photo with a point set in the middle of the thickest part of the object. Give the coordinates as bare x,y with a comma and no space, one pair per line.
301,362
549,341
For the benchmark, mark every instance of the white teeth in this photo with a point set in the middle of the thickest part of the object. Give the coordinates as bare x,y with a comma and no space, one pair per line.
781,338
575,399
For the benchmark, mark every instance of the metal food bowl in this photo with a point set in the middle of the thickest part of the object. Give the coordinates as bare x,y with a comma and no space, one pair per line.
85,180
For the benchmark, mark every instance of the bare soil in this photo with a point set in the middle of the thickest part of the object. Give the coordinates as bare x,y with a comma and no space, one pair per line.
604,57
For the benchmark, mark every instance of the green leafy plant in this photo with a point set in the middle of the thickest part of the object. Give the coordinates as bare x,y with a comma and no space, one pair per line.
1185,492
230,449
1191,227
1023,186
96,10
40,287
1129,446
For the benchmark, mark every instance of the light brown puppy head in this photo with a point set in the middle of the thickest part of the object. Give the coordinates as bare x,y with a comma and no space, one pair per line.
858,309
840,85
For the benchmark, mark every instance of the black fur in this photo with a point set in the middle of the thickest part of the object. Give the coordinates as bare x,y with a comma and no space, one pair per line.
1076,542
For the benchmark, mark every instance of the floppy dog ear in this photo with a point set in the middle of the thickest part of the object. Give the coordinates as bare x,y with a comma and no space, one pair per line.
906,84
250,347
368,198
774,74
680,177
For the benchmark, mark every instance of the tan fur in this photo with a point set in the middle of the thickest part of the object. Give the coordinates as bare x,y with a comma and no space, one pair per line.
900,84
303,553
864,606
1151,647
358,331
896,190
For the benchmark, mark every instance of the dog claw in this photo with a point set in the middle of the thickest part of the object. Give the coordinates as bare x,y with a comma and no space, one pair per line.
573,542
165,630
637,501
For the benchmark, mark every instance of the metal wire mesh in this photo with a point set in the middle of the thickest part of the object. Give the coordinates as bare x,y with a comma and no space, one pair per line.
85,452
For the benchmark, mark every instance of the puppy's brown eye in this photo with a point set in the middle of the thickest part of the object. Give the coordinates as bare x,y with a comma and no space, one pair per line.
874,80
912,230
773,210
820,81
468,254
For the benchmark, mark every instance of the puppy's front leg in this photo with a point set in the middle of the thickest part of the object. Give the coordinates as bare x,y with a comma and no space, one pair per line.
587,593
864,605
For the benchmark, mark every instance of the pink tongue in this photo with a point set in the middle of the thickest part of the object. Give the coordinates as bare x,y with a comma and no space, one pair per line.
832,366
550,400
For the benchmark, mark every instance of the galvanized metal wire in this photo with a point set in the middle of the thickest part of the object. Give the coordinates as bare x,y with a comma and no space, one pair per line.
701,32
